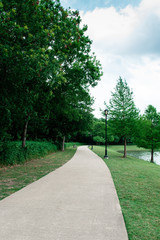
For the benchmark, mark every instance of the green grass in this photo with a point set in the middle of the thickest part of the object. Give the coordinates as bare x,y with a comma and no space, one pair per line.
13,178
129,148
138,186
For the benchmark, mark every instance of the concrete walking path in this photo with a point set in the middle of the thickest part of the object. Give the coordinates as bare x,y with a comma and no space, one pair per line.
78,201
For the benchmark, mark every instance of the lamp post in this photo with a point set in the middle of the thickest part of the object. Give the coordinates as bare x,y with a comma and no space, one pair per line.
106,113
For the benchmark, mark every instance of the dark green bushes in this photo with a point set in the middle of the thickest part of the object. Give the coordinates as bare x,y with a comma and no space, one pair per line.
13,153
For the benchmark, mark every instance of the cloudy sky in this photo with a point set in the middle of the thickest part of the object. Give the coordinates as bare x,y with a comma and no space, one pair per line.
126,40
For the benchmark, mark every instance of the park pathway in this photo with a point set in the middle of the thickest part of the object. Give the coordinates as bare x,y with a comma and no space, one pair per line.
75,202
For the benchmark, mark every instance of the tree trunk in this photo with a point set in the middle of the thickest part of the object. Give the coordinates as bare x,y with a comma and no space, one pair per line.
63,144
125,148
152,151
25,132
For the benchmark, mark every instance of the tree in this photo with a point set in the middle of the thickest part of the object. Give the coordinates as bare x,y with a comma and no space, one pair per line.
98,131
43,47
70,110
148,130
122,112
27,56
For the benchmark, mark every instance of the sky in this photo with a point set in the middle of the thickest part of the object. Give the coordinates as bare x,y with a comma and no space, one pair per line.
126,40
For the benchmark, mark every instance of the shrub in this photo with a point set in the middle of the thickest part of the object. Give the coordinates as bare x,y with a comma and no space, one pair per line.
71,144
99,139
13,153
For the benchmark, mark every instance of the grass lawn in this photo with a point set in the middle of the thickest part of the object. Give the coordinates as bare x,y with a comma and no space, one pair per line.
13,178
138,186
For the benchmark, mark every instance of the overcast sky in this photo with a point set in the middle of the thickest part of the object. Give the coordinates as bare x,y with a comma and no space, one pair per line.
126,40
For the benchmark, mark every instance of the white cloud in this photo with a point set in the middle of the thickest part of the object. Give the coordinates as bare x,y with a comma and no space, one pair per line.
108,27
130,30
127,44
145,82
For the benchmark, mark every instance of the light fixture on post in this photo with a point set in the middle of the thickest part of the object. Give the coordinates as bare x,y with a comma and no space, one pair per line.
106,113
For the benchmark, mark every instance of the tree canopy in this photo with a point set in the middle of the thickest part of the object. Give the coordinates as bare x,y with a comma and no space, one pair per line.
46,67
148,130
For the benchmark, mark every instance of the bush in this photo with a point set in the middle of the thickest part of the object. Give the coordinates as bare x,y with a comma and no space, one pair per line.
13,153
99,139
71,144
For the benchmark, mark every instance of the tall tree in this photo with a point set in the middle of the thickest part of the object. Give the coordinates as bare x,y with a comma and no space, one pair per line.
148,130
122,111
43,46
70,109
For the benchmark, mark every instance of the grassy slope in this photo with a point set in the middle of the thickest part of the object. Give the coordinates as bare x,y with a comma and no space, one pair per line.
15,177
138,187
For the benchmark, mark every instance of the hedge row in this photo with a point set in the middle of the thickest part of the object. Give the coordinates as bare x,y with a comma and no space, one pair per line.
13,153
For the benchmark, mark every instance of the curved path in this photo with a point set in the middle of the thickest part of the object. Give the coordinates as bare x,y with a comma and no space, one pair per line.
76,202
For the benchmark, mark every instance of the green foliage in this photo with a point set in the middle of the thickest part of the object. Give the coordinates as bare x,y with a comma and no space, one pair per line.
13,153
99,139
98,131
148,130
99,128
71,144
122,112
152,115
75,115
46,65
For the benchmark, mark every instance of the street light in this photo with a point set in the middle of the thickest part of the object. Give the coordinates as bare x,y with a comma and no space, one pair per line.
106,113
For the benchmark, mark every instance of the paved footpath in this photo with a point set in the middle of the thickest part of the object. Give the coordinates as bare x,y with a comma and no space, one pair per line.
76,202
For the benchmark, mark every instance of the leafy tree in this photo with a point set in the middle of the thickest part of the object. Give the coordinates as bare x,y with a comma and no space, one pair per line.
25,64
98,131
70,111
99,139
122,112
43,47
148,134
